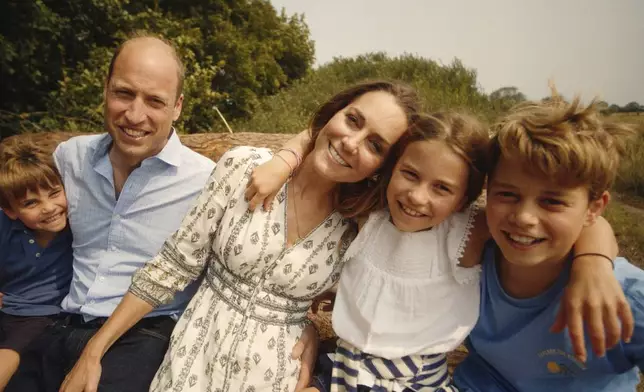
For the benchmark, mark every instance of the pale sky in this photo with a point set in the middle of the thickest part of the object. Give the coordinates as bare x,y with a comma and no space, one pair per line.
591,47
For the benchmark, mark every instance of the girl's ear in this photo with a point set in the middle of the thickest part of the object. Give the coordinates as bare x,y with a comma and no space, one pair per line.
596,208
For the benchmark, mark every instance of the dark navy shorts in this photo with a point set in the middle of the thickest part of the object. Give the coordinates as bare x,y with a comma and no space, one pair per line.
17,332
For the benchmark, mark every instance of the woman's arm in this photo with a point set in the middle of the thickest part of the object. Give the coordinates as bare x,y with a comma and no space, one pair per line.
180,261
268,178
593,295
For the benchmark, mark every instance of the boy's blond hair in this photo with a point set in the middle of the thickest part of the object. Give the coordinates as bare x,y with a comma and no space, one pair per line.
23,167
570,143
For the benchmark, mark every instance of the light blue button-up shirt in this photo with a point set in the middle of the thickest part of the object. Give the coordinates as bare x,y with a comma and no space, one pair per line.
113,238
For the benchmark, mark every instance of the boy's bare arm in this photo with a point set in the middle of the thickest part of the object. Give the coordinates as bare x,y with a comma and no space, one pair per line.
267,179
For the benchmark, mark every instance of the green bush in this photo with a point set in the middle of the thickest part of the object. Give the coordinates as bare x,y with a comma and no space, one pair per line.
439,86
54,55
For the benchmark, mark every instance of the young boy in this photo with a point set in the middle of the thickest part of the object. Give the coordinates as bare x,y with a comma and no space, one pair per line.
35,248
551,167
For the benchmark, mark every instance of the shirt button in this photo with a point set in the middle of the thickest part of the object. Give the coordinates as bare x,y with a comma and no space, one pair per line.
31,241
91,302
102,278
117,216
37,254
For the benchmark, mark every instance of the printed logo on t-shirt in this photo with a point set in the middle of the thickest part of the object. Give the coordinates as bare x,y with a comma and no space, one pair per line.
559,362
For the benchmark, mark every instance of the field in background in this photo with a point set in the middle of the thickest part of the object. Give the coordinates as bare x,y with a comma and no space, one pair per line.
631,176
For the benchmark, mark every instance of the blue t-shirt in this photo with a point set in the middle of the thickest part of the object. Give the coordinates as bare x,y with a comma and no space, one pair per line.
511,348
34,280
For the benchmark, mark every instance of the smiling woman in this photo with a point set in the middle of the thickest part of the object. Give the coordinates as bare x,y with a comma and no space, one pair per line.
262,268
356,140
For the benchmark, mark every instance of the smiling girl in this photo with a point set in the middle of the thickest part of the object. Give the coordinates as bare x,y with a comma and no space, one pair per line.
409,292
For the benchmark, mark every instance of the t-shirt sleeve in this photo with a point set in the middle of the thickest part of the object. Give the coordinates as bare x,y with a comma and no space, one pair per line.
633,283
183,256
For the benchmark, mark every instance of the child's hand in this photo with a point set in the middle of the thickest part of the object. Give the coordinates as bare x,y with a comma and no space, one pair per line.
267,179
595,298
1,295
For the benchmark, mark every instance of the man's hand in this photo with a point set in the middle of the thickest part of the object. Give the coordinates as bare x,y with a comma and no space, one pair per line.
306,349
85,375
1,295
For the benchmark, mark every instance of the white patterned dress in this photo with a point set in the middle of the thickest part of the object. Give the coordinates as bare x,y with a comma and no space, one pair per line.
239,329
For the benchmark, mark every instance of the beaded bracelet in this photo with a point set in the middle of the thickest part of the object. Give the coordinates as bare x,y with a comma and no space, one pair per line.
596,254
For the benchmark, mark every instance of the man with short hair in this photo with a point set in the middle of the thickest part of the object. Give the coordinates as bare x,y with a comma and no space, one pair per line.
128,190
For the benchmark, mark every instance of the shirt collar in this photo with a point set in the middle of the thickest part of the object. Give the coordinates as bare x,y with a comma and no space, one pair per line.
170,154
17,225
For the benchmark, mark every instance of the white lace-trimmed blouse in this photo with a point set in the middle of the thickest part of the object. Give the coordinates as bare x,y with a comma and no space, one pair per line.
404,293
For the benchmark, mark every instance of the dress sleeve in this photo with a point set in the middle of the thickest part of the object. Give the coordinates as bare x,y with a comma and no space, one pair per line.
457,231
183,256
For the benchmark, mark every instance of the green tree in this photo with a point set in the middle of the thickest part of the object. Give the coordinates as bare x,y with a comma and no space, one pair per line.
632,107
602,106
506,97
54,54
451,86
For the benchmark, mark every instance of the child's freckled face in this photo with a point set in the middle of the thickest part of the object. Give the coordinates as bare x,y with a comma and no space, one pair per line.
44,210
428,184
532,219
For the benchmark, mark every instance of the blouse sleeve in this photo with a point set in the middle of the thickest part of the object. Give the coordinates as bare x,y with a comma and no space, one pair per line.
183,256
458,229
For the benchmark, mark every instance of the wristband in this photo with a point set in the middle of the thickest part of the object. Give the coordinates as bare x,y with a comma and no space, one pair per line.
298,157
290,174
612,263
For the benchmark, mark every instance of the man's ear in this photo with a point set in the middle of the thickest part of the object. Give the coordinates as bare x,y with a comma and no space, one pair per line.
177,108
596,208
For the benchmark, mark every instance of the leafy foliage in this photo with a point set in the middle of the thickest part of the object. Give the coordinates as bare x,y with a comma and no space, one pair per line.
54,55
506,97
440,87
